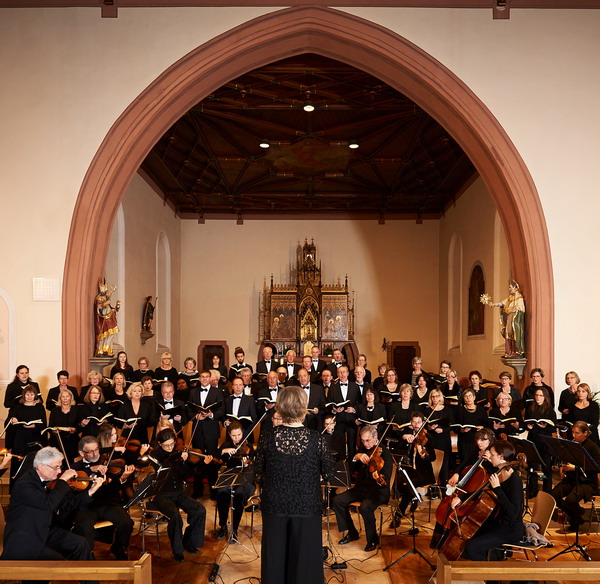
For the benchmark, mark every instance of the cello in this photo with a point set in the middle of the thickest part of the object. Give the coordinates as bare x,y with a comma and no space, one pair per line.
471,514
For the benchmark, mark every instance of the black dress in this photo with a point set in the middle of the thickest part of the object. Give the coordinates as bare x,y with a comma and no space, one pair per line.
53,393
146,418
497,416
14,391
441,419
377,412
471,419
97,414
541,429
62,419
289,464
590,415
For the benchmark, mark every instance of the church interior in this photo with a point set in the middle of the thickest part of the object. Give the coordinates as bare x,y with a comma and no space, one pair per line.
350,175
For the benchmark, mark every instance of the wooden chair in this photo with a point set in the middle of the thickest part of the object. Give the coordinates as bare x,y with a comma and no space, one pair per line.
594,509
543,508
437,466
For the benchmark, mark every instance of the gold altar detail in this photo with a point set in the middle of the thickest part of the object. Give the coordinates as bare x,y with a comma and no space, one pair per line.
306,312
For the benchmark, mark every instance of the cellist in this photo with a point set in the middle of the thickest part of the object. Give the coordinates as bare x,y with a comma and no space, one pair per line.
505,524
371,489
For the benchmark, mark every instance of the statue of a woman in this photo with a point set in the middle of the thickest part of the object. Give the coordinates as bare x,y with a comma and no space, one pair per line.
105,319
512,318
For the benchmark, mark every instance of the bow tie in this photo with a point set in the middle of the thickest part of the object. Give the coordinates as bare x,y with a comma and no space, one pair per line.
267,361
315,360
343,384
306,387
237,397
337,364
204,388
168,402
247,387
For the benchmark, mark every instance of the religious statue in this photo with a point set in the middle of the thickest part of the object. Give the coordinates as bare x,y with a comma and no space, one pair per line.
148,314
105,319
512,319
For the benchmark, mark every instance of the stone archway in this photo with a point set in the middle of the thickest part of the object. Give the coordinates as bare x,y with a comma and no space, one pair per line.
272,37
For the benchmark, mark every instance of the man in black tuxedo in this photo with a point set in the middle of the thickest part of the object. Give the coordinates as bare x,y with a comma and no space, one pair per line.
267,364
316,401
250,387
326,382
205,428
307,364
267,396
282,377
317,364
239,364
241,406
338,361
215,381
360,377
171,409
345,391
290,364
30,533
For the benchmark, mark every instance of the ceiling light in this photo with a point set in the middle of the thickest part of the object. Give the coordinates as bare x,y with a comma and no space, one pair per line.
308,107
264,144
353,144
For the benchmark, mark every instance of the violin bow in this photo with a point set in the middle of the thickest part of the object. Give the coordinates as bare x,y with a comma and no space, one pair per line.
250,432
388,425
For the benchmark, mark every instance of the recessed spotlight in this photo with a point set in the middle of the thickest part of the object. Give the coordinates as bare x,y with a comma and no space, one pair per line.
353,144
264,144
308,107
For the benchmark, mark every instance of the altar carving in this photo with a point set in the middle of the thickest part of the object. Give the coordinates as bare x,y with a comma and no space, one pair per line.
306,313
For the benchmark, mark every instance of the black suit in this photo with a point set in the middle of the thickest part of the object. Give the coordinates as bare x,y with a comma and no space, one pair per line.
247,408
346,422
316,399
320,366
235,369
177,403
29,533
265,392
333,368
295,368
262,370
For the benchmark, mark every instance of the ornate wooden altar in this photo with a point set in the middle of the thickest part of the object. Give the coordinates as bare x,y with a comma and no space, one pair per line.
306,312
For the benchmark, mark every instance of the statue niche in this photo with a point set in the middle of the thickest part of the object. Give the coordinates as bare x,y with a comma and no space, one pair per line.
306,312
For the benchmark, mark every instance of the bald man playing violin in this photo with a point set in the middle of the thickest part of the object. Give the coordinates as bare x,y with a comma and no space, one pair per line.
30,532
372,488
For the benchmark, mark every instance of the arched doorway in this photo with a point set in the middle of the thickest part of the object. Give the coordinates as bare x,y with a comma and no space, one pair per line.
275,36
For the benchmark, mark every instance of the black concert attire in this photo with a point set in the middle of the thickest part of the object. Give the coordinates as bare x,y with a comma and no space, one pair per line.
590,415
441,420
399,413
289,465
192,381
367,378
566,401
127,372
369,493
246,411
506,526
497,416
573,488
481,396
146,418
412,379
115,400
161,375
515,394
222,372
234,370
173,498
530,390
421,401
30,530
101,413
366,415
419,470
266,395
535,412
333,367
346,422
104,505
241,493
14,392
61,419
291,369
471,419
172,408
316,399
52,397
379,382
336,442
318,366
452,395
263,367
362,387
206,433
21,440
137,375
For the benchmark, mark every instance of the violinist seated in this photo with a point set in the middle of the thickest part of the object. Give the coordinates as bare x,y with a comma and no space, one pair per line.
238,456
172,497
420,454
372,488
505,523
31,533
105,504
573,488
335,440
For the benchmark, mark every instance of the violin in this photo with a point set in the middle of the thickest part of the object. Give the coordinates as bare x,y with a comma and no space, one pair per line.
376,465
78,483
5,452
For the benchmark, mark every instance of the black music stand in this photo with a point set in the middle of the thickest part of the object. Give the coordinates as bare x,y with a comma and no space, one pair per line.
413,531
151,486
529,449
341,478
573,453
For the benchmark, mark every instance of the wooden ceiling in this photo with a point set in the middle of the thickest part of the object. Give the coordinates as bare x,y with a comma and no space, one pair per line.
210,163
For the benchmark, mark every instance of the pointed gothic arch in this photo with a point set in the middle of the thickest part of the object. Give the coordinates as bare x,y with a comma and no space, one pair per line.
269,38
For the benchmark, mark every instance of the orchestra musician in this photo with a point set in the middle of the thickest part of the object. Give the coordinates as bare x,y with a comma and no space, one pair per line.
505,526
173,497
30,531
105,503
420,454
238,457
573,488
372,488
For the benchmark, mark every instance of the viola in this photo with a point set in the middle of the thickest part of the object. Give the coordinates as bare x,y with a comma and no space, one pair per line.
376,465
78,483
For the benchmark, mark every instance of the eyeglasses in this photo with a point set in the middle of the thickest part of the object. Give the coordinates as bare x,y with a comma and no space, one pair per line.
168,444
54,468
97,449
